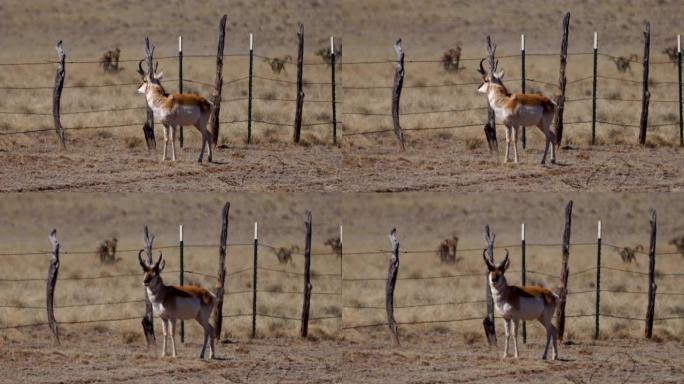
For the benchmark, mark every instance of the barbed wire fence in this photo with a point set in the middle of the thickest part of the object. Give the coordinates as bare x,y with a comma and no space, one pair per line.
584,84
266,283
324,111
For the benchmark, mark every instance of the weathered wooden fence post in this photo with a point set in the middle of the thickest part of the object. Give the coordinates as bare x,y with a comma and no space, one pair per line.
300,90
593,91
679,89
181,276
218,84
650,310
221,277
57,94
522,86
180,90
598,281
53,272
254,279
147,320
524,277
564,271
148,127
249,97
396,92
306,305
646,94
392,273
490,127
488,322
332,87
560,103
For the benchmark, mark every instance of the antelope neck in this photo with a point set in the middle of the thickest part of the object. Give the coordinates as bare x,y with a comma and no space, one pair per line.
158,290
497,94
156,95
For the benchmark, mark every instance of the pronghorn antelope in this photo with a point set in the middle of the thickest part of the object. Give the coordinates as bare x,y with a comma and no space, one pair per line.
526,303
517,110
172,302
176,109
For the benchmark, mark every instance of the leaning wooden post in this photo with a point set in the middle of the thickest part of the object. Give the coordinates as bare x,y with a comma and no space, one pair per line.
57,94
300,90
650,310
148,127
593,91
180,90
181,276
490,127
646,95
396,92
53,271
392,273
563,294
332,87
598,282
560,103
221,277
147,320
254,279
218,84
304,329
679,89
488,322
524,277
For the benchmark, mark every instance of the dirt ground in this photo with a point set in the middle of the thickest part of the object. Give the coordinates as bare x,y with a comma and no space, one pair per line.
322,168
434,358
445,165
110,167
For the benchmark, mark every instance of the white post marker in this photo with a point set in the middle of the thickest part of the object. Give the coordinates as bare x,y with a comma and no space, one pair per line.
598,234
180,232
341,234
595,40
180,43
522,232
256,232
679,43
332,45
251,42
522,42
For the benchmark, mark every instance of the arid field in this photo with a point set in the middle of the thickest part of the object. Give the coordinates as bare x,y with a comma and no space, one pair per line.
449,297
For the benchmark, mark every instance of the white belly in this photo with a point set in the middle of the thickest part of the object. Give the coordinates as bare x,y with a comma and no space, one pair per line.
529,308
183,115
525,115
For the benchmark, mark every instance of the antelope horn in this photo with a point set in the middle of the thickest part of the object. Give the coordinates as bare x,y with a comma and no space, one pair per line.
156,265
142,263
482,70
156,66
140,70
505,260
490,266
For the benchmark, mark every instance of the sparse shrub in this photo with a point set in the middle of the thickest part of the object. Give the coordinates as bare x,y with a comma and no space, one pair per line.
284,254
130,337
628,254
474,142
451,59
470,338
133,142
335,245
106,251
447,250
678,242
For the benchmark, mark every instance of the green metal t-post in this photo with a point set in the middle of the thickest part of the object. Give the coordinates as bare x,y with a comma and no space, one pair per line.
522,249
598,281
593,92
249,102
522,66
180,253
679,72
254,280
334,107
180,90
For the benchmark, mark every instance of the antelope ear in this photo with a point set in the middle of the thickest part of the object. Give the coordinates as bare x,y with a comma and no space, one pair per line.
159,75
499,75
162,265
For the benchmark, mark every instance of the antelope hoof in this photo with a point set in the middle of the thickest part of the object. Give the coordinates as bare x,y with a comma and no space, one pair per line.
199,161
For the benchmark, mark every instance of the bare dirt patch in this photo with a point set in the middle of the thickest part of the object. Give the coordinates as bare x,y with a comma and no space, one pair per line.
91,165
446,165
433,358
